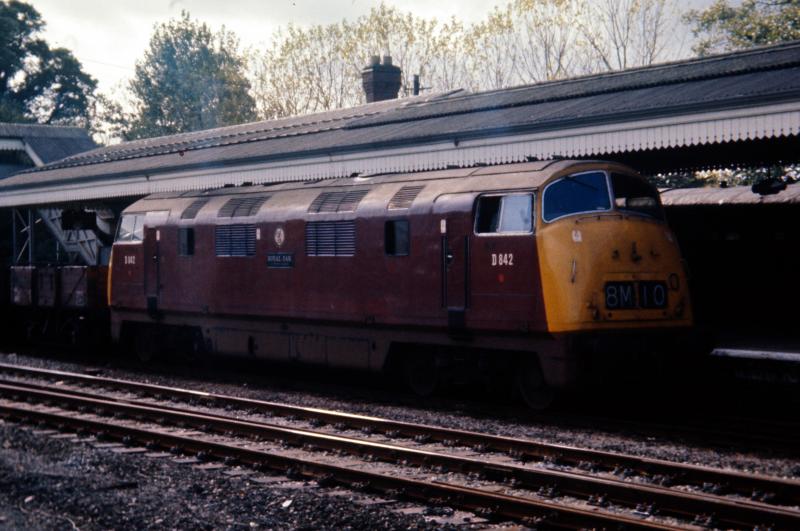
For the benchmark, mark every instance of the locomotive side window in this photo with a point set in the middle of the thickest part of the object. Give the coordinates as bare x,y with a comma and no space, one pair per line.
396,238
131,228
488,215
511,213
186,241
579,193
634,195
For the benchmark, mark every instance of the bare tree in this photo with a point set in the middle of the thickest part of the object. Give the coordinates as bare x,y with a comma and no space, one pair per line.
627,33
446,69
302,72
493,49
547,39
525,41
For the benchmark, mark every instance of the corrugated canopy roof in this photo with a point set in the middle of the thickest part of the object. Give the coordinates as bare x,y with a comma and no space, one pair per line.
734,195
743,95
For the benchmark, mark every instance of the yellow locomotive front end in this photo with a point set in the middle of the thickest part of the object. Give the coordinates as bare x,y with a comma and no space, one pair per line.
609,262
614,287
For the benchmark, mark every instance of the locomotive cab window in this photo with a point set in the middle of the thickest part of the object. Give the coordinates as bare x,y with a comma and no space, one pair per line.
131,228
635,195
186,241
576,194
507,214
396,238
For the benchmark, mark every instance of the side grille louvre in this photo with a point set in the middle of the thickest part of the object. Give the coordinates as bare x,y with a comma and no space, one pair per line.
192,210
235,240
337,201
242,206
331,238
404,197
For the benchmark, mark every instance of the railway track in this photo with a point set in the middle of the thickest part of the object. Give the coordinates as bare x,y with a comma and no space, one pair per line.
772,436
527,481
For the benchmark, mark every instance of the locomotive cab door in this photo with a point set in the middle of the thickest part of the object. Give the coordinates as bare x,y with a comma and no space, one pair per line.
505,270
153,229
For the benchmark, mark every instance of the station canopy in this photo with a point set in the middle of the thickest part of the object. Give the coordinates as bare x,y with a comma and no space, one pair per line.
733,109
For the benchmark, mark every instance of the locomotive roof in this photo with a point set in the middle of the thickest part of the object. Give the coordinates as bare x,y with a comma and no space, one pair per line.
295,198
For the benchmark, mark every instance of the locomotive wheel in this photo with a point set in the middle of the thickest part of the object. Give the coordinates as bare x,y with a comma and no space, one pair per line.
145,345
194,348
421,374
531,384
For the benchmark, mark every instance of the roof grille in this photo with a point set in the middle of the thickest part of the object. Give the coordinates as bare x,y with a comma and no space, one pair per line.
235,240
242,206
404,197
337,201
192,210
331,238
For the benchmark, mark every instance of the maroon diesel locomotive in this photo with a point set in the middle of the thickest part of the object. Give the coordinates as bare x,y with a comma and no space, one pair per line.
533,265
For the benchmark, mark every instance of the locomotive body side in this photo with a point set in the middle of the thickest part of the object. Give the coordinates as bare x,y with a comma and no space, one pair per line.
425,268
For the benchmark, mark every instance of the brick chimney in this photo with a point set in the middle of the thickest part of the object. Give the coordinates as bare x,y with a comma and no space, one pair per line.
381,80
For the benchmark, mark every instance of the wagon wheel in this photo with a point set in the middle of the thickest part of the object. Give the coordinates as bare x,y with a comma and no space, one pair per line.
531,384
71,333
421,374
31,331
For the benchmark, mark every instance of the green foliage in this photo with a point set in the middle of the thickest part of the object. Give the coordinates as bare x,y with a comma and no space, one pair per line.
725,177
189,79
723,27
38,83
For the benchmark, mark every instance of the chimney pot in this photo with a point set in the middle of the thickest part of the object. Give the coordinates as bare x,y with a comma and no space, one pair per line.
381,81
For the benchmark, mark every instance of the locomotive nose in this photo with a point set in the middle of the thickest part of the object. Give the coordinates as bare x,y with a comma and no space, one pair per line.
611,271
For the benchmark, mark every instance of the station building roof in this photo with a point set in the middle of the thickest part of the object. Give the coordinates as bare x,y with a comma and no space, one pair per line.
28,145
737,97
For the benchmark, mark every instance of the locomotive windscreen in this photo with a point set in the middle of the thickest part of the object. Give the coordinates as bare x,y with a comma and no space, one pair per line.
634,195
131,228
582,192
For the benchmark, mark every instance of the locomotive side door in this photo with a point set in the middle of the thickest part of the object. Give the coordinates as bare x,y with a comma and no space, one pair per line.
454,215
151,268
153,228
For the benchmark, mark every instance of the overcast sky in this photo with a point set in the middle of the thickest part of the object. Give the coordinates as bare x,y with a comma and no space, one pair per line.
109,36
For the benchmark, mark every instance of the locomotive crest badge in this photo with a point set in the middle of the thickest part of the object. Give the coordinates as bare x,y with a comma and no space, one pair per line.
280,236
